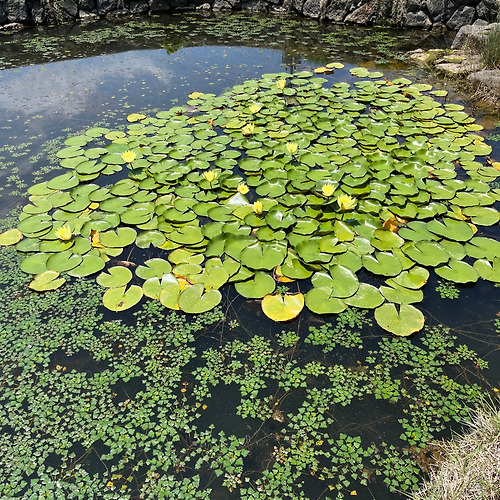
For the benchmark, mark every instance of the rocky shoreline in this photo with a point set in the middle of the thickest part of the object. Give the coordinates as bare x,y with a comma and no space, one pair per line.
425,14
463,62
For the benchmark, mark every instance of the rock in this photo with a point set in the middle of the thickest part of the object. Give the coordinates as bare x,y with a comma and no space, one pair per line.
363,15
87,16
17,11
487,78
221,5
160,6
105,6
70,7
472,36
312,8
414,5
139,7
254,6
337,11
11,27
88,5
204,6
462,16
418,20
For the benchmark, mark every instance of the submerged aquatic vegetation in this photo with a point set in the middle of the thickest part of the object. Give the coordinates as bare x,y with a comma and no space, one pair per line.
335,186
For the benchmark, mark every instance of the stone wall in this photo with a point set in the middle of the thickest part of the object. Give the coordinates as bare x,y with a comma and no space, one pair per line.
425,14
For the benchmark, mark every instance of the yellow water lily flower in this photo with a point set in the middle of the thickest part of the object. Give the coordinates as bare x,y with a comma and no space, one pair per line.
243,188
64,233
248,129
258,207
255,108
210,176
291,147
281,84
346,202
128,156
327,189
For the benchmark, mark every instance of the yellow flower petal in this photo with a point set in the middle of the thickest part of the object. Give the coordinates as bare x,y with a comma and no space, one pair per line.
210,176
346,202
327,189
257,207
243,188
64,233
291,147
128,156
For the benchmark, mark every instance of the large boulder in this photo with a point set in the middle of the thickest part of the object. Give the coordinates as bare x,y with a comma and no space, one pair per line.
364,15
418,20
462,16
473,35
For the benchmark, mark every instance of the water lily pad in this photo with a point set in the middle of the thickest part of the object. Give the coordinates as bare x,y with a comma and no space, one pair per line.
367,297
10,237
414,278
401,295
483,248
257,287
265,255
121,298
488,270
458,272
382,263
48,280
456,230
89,265
117,276
194,300
122,237
403,323
63,261
321,300
35,264
282,307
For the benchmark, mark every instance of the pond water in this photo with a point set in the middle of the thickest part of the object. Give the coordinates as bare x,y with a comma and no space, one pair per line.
150,403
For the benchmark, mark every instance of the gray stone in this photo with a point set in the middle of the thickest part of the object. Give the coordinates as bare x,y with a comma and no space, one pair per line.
312,8
17,11
11,27
254,6
363,15
487,78
160,6
418,20
472,35
138,7
204,6
87,17
105,6
297,5
337,11
70,7
221,5
414,5
462,16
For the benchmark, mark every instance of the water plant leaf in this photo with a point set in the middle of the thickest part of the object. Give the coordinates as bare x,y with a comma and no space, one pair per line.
194,300
257,287
10,237
457,271
116,277
402,323
48,280
121,298
321,300
285,307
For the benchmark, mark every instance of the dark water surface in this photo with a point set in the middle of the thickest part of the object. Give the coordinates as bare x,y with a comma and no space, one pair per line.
57,82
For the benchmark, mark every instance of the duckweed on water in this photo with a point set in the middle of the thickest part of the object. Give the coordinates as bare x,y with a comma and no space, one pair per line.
353,189
98,408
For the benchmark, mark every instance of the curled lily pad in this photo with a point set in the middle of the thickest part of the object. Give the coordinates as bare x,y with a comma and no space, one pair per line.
282,307
402,323
48,280
121,298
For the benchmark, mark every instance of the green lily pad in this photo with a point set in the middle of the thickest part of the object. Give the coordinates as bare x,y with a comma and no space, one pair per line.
483,248
266,255
426,253
116,277
458,271
382,263
414,278
35,264
194,300
367,297
402,323
48,280
320,300
456,230
257,287
401,295
282,307
10,237
90,264
488,270
121,238
121,298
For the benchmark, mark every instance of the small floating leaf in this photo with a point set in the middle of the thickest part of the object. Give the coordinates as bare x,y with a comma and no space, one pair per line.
283,307
403,322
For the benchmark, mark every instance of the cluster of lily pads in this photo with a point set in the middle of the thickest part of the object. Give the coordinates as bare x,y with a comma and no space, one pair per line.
354,191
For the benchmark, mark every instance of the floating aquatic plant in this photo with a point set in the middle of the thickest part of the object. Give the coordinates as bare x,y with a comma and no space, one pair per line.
356,190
